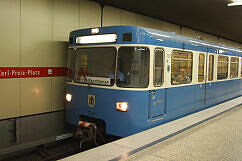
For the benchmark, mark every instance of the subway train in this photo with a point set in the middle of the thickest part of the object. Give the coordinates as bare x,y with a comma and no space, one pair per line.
126,79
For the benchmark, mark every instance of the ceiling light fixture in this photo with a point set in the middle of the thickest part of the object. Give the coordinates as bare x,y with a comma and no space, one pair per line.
235,3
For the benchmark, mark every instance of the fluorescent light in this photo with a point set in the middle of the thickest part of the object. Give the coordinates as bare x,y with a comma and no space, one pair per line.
95,30
159,34
96,39
221,51
235,3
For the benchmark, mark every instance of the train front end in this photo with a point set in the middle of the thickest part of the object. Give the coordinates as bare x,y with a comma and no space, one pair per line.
107,83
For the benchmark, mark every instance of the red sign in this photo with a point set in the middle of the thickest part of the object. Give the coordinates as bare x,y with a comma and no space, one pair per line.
28,72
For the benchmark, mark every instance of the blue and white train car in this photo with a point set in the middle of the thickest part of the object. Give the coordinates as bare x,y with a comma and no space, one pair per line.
127,79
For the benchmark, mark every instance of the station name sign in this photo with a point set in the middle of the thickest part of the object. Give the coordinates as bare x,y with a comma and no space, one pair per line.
28,72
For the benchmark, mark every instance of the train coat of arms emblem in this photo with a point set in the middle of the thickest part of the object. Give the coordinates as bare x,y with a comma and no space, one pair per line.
91,100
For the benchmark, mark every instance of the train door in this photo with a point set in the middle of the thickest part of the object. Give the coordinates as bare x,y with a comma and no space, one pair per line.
201,88
157,96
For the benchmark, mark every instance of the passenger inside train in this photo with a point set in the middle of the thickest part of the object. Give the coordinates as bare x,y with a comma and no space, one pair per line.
120,75
182,78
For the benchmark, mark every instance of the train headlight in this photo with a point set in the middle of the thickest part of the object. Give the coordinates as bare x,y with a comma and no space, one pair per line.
68,97
122,106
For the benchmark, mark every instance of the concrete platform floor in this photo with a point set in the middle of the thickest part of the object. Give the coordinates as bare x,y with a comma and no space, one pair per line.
219,139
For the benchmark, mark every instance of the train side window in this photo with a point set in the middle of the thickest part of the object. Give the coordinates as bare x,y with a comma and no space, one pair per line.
234,67
201,67
222,70
210,69
181,67
158,68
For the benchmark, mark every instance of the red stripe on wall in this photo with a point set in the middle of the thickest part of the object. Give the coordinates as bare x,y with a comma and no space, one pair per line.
29,72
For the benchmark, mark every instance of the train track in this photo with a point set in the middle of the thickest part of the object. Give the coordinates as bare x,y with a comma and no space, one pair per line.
47,152
54,151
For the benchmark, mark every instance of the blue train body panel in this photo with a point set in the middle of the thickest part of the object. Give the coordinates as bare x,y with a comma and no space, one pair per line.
157,103
177,102
121,123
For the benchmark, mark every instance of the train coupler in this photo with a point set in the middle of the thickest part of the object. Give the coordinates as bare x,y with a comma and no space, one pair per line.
89,132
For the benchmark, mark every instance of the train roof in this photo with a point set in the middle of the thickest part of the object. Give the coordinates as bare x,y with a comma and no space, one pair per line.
141,35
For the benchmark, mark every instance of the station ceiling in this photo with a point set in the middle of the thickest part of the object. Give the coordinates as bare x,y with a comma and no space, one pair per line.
209,16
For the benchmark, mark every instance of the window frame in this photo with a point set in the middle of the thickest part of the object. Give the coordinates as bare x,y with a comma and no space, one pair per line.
204,65
192,61
162,74
117,63
72,66
90,47
222,62
213,67
230,63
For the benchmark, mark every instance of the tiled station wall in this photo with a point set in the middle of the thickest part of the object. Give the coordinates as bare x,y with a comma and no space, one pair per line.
34,33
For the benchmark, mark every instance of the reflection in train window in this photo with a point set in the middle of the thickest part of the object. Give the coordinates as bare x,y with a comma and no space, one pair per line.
94,65
70,65
222,70
201,67
133,62
181,67
210,69
234,66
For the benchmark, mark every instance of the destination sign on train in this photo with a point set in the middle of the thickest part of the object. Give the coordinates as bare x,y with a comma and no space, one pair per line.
95,80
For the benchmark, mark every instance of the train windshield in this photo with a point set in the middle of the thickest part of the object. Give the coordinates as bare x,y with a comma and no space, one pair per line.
133,67
95,65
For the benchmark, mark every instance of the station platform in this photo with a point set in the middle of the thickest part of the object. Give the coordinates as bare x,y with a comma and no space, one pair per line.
212,134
